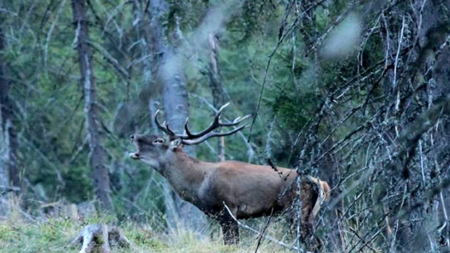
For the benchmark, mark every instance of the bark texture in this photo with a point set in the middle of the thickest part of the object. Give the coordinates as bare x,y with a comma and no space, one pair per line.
432,60
168,71
97,153
100,238
9,169
215,81
4,175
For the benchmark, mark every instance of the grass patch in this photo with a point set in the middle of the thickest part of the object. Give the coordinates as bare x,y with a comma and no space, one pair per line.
53,235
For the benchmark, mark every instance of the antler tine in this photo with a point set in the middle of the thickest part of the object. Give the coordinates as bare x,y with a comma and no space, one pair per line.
164,128
223,107
215,124
186,129
212,134
157,122
169,130
236,121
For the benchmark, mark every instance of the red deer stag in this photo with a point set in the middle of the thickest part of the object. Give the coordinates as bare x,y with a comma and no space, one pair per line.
248,190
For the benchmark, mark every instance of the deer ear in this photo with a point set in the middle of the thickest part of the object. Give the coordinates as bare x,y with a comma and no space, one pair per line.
175,144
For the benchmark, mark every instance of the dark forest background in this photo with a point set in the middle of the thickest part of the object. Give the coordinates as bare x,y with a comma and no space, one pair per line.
356,93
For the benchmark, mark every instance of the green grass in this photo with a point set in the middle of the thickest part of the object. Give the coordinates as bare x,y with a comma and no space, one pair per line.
53,235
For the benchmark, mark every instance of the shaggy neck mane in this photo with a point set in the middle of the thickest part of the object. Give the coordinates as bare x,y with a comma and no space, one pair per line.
184,173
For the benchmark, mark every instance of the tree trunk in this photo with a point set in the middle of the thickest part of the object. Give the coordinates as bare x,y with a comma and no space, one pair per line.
437,79
97,154
9,169
149,44
176,108
168,71
435,13
215,81
4,145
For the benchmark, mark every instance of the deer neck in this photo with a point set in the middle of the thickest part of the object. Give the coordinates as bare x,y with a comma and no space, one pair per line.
185,174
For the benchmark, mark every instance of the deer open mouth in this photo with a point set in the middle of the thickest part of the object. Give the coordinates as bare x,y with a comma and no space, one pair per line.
134,155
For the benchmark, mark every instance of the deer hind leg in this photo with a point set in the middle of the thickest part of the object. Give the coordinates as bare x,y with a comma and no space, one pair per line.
230,231
230,227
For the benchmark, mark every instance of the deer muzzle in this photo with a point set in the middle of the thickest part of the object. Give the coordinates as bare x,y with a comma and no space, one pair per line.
134,155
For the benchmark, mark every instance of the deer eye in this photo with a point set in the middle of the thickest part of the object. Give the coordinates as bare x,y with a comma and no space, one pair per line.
158,141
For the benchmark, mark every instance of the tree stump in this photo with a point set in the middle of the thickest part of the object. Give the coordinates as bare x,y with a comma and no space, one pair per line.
100,237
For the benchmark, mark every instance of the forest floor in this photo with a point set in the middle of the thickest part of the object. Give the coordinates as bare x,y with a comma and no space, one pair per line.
54,235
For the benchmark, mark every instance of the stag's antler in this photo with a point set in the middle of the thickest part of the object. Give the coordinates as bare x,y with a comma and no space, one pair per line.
190,138
164,128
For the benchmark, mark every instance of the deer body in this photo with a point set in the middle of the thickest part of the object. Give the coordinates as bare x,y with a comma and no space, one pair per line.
247,190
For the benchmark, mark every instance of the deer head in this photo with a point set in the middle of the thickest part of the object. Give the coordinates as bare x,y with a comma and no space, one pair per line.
156,151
